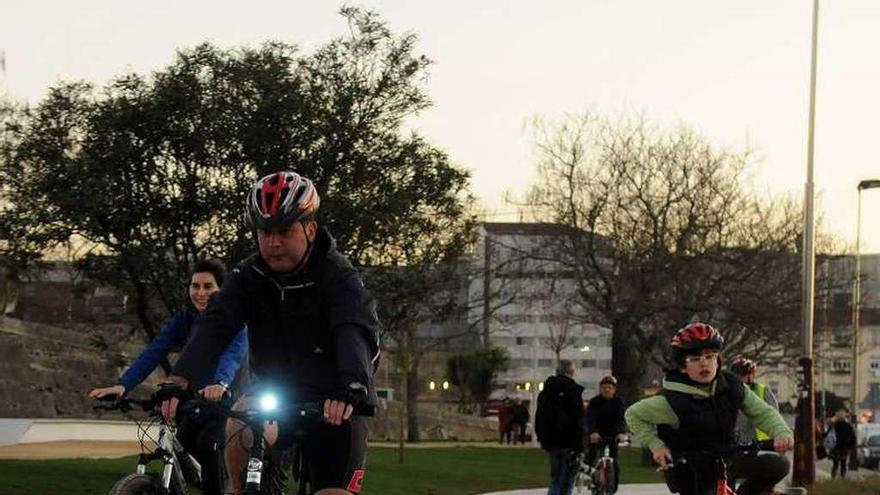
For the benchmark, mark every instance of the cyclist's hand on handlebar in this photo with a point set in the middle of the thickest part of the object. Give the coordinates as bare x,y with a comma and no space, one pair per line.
783,444
622,438
168,408
662,456
97,393
595,438
336,411
168,397
339,408
213,392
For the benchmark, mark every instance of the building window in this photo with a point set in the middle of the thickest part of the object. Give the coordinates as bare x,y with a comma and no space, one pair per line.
545,363
874,366
605,364
588,363
841,366
588,341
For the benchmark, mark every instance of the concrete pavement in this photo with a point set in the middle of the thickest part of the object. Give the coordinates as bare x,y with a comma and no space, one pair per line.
633,489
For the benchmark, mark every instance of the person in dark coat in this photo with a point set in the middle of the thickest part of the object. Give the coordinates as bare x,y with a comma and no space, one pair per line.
559,426
844,443
521,418
505,421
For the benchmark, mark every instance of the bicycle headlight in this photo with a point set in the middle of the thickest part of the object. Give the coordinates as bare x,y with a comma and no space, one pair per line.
268,402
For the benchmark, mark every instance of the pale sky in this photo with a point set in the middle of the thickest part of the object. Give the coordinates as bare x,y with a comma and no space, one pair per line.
736,71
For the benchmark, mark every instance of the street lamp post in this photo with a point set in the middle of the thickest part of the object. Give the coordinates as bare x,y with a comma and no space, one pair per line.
857,295
804,469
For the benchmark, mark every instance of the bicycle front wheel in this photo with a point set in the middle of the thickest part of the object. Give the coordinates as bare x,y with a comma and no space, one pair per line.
607,484
582,481
136,484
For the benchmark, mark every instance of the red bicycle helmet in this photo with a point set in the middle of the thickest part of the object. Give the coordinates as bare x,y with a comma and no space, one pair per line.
743,366
695,337
279,200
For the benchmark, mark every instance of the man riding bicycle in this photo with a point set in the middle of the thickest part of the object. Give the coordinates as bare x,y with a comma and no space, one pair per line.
311,331
605,424
696,412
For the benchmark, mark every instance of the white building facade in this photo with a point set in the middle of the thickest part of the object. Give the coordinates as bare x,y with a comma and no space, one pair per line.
530,300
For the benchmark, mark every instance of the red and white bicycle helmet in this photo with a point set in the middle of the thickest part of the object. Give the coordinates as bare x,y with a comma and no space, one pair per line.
695,337
743,366
279,200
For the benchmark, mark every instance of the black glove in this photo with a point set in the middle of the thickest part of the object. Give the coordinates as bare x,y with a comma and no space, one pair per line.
355,394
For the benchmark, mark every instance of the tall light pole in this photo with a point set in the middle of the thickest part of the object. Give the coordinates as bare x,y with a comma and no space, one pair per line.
804,471
857,296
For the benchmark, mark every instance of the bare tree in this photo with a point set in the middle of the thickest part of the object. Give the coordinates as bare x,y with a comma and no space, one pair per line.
663,230
562,326
413,296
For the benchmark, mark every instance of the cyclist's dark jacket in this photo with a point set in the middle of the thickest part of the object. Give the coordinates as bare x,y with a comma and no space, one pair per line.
681,417
314,332
704,423
605,416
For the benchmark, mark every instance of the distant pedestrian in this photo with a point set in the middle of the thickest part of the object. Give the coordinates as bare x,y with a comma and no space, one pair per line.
559,425
505,421
521,418
841,438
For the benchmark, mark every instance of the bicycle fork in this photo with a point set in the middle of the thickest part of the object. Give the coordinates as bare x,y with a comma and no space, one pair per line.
254,471
722,487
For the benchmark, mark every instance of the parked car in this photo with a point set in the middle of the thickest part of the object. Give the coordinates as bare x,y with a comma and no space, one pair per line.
869,452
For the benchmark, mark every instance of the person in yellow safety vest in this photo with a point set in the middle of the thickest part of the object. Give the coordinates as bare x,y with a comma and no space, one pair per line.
746,432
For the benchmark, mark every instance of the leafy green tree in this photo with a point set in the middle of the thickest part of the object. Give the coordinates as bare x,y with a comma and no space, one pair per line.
27,228
476,371
154,168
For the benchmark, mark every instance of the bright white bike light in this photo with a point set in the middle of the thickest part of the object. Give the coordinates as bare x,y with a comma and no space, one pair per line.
268,402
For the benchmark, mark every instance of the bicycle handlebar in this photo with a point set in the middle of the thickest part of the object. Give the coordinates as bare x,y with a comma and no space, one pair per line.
684,457
124,403
312,410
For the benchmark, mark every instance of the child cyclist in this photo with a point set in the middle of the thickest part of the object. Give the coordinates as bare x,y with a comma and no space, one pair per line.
696,412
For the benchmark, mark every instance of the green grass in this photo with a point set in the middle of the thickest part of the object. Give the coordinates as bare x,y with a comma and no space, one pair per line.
869,486
429,471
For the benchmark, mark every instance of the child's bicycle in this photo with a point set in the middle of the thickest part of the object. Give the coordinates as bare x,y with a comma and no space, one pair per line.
179,473
709,469
598,479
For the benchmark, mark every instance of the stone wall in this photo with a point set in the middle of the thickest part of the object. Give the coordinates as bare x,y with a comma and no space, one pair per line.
46,371
436,421
59,341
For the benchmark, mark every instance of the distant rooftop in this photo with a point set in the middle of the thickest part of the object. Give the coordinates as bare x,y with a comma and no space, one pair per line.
516,228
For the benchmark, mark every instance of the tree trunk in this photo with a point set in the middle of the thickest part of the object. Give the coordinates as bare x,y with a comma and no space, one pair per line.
9,292
627,365
412,394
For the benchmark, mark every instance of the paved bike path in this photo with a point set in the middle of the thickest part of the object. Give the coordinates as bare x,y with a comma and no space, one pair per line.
631,489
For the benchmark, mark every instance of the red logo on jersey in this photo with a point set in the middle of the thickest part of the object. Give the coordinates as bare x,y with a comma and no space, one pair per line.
357,481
